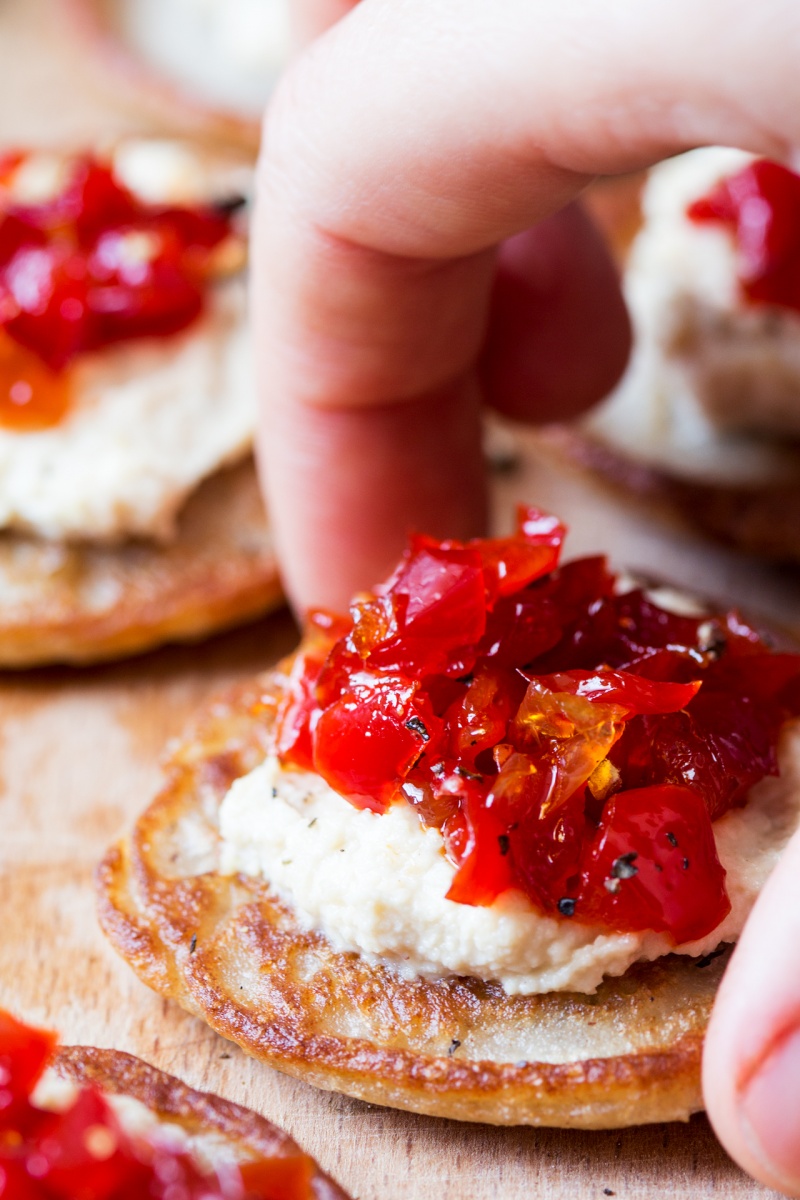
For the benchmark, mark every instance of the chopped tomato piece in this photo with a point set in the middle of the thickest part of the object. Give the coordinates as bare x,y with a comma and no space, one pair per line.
653,864
24,1054
630,692
477,841
366,742
761,206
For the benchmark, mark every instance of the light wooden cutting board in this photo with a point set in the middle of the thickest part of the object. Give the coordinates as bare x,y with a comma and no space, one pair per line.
79,754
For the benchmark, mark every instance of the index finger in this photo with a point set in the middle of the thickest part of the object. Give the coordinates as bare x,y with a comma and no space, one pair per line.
399,151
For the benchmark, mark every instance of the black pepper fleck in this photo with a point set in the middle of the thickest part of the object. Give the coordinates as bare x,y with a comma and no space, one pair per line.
465,774
673,841
685,864
225,1055
608,1192
193,944
312,822
228,205
418,726
707,959
503,843
566,906
623,868
274,793
453,1047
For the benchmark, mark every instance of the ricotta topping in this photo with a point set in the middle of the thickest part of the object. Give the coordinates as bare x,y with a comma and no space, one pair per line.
376,885
150,419
701,353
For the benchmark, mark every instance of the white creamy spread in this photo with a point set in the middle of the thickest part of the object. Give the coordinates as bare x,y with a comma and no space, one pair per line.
225,52
696,339
377,885
149,419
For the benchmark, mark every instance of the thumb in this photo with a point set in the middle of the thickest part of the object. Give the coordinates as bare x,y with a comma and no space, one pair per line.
751,1068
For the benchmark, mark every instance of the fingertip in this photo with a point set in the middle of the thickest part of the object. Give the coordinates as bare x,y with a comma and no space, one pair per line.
751,1061
559,334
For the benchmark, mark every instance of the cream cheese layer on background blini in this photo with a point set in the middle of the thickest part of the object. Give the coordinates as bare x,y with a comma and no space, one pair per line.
699,344
151,418
377,884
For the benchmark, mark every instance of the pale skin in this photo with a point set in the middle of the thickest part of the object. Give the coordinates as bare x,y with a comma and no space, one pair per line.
403,150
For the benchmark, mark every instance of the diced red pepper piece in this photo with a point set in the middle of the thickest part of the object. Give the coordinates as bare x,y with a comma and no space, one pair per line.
24,1054
297,714
16,1183
511,563
653,864
543,822
761,205
478,720
433,607
366,742
83,1151
477,840
632,693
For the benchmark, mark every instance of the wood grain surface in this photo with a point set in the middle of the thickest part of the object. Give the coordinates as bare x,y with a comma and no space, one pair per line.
79,753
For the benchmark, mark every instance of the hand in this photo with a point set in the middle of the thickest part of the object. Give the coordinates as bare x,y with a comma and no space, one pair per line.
402,151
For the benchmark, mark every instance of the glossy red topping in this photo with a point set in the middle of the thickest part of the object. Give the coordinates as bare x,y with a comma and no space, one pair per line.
761,204
91,266
567,740
84,1151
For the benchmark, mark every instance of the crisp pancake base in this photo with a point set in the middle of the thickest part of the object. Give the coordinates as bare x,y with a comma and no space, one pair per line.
82,603
231,952
763,521
222,1126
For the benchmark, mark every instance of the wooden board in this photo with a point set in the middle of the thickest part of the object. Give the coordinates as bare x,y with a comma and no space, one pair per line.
79,757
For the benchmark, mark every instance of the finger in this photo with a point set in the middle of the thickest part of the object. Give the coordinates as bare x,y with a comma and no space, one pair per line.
310,18
559,334
387,470
751,1069
410,140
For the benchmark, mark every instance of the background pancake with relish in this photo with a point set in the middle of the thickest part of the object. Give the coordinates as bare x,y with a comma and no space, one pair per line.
130,509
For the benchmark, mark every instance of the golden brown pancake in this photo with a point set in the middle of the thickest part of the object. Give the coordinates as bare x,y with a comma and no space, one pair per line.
82,603
230,951
762,520
215,1126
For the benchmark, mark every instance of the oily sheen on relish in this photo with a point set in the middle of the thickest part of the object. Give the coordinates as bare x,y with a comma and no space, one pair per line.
568,739
83,1151
90,266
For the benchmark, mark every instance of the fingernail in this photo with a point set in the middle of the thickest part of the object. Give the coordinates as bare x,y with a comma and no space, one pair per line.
770,1113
